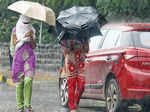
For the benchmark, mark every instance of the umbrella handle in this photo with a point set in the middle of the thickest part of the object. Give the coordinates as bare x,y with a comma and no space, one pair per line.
59,38
61,35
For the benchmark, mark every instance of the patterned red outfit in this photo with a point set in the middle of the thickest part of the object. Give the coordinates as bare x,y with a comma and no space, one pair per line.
75,54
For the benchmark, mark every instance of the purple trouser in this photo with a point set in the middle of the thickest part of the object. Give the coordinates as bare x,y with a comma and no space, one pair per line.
23,62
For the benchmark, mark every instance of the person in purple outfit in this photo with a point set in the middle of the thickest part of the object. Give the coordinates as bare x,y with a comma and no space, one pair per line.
23,66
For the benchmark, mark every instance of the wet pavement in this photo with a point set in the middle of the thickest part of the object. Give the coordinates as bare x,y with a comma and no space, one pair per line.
45,99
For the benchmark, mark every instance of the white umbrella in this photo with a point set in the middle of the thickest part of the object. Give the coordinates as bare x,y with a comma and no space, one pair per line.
35,11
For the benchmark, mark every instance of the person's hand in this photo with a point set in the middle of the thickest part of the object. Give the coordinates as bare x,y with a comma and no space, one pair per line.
26,39
29,34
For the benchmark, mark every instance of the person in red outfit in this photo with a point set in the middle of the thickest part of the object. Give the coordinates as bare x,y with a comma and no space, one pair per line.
75,54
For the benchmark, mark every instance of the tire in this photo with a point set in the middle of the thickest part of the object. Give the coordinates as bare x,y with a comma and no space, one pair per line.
145,106
63,92
113,98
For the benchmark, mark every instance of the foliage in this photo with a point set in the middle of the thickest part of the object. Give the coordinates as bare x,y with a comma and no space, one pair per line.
126,9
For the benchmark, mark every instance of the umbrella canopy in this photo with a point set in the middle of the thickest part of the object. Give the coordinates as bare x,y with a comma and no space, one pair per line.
79,23
35,11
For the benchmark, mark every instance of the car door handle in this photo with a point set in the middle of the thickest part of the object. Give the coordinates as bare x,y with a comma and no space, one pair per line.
108,58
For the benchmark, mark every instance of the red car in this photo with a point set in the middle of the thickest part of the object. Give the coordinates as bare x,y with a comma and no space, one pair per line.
118,66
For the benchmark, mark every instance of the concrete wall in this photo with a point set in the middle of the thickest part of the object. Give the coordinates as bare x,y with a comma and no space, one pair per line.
48,57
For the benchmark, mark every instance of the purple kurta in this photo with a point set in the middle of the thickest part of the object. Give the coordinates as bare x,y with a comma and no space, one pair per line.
23,62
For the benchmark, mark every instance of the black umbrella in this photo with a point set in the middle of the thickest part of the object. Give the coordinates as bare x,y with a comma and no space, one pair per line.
78,23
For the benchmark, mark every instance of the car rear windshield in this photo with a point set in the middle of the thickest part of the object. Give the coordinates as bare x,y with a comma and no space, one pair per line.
141,38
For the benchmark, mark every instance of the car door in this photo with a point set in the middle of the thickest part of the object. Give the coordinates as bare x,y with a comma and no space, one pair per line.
91,78
99,61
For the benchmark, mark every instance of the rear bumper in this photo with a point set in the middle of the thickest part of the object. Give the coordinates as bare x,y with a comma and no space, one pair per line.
137,93
134,84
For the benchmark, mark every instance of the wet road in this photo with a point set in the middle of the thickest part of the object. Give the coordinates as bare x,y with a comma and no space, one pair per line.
45,99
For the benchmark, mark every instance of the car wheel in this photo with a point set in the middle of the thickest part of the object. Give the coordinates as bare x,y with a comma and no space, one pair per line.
112,95
145,106
63,92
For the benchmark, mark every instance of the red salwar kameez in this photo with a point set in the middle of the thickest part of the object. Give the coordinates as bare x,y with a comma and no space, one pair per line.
75,54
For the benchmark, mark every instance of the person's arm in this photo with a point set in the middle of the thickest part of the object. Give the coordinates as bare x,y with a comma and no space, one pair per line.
14,39
32,43
86,47
32,40
66,46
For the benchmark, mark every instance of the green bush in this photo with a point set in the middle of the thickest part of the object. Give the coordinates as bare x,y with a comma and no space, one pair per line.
126,9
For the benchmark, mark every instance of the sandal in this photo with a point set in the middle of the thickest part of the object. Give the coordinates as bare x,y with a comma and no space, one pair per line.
20,110
29,109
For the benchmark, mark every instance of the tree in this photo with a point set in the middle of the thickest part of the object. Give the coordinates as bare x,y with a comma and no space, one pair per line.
110,9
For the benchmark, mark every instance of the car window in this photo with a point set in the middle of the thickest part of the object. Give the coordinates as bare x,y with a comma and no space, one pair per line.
142,38
95,42
145,40
124,40
111,38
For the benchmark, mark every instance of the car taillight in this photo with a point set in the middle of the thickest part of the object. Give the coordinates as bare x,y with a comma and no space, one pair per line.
128,56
